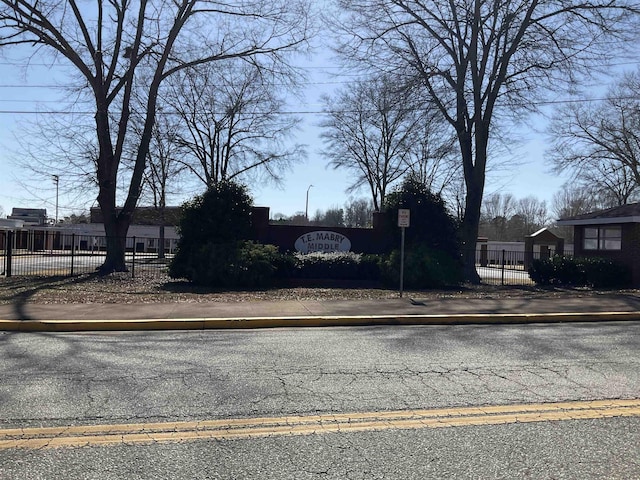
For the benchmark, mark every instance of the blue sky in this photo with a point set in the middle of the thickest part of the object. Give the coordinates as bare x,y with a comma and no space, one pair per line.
20,95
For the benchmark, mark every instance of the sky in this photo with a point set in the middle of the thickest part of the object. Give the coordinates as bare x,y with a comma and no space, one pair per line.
523,170
20,96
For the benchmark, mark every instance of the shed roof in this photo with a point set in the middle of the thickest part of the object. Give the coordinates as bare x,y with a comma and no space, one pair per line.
623,214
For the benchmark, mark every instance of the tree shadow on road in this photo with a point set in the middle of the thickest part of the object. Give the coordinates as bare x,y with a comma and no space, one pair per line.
18,291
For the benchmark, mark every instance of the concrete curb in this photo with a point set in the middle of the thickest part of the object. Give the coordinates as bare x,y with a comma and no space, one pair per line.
308,321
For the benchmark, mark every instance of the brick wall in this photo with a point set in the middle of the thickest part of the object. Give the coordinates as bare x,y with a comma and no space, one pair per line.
363,240
629,254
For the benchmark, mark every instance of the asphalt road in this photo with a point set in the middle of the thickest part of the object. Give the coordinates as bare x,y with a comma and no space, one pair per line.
60,380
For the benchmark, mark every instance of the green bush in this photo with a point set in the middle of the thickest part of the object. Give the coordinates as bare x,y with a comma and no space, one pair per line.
337,265
229,265
557,270
213,221
431,223
580,271
423,268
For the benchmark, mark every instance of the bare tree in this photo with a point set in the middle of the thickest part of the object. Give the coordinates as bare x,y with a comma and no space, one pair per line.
497,209
434,161
506,219
358,213
481,59
108,43
599,142
534,215
233,122
61,146
164,169
611,185
570,201
332,217
368,130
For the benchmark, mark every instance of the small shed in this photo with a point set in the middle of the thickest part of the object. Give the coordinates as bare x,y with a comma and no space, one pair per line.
613,233
548,244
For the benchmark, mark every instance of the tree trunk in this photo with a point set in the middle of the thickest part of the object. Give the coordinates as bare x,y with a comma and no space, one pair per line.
468,237
116,228
474,173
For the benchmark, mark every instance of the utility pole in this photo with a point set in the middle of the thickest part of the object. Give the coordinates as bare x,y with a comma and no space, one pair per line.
56,180
306,208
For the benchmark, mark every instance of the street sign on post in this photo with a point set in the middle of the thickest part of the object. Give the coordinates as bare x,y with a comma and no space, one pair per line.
404,217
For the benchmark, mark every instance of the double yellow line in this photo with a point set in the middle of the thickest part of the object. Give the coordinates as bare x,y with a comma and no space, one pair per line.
244,428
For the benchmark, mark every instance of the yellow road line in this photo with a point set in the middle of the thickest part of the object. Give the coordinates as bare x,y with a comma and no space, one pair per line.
243,428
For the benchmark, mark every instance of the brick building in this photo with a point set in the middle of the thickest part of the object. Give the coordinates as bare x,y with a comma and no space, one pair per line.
613,233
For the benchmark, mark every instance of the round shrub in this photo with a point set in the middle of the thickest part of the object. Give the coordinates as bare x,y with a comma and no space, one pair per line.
423,268
221,216
431,224
230,265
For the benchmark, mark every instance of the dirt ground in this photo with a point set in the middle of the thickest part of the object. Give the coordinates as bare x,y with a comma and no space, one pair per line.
121,289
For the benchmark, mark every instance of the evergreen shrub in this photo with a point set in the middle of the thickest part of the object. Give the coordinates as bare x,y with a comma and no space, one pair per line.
424,267
231,265
580,272
334,265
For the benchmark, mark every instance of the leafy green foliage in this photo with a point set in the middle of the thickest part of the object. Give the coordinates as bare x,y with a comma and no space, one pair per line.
236,264
214,221
431,223
580,271
338,265
423,268
221,215
432,249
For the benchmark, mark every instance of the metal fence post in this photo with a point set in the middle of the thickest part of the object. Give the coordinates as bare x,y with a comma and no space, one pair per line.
503,262
133,259
9,252
73,248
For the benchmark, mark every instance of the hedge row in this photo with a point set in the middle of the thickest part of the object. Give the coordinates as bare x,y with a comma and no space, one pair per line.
580,271
249,264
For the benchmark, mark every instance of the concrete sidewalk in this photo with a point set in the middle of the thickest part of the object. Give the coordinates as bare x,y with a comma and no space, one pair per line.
262,314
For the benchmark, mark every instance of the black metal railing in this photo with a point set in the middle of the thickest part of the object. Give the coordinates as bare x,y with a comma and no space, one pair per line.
509,267
58,254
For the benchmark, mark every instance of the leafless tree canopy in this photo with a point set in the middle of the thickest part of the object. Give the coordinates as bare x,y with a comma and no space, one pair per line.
505,218
379,130
232,123
482,60
599,143
569,201
108,43
358,213
368,130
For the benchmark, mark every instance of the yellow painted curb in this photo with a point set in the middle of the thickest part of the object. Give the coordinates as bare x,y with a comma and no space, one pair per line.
308,321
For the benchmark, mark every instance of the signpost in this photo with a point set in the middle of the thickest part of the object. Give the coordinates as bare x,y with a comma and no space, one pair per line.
404,217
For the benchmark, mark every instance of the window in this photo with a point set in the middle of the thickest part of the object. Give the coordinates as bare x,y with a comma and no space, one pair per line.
603,238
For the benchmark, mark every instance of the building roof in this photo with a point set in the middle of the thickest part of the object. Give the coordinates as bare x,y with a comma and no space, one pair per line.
144,216
10,224
623,214
30,216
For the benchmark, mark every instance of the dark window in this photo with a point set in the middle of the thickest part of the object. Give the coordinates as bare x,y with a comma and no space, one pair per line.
603,238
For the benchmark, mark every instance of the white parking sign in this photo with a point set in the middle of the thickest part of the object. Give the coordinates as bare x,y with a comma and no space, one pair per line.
403,217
